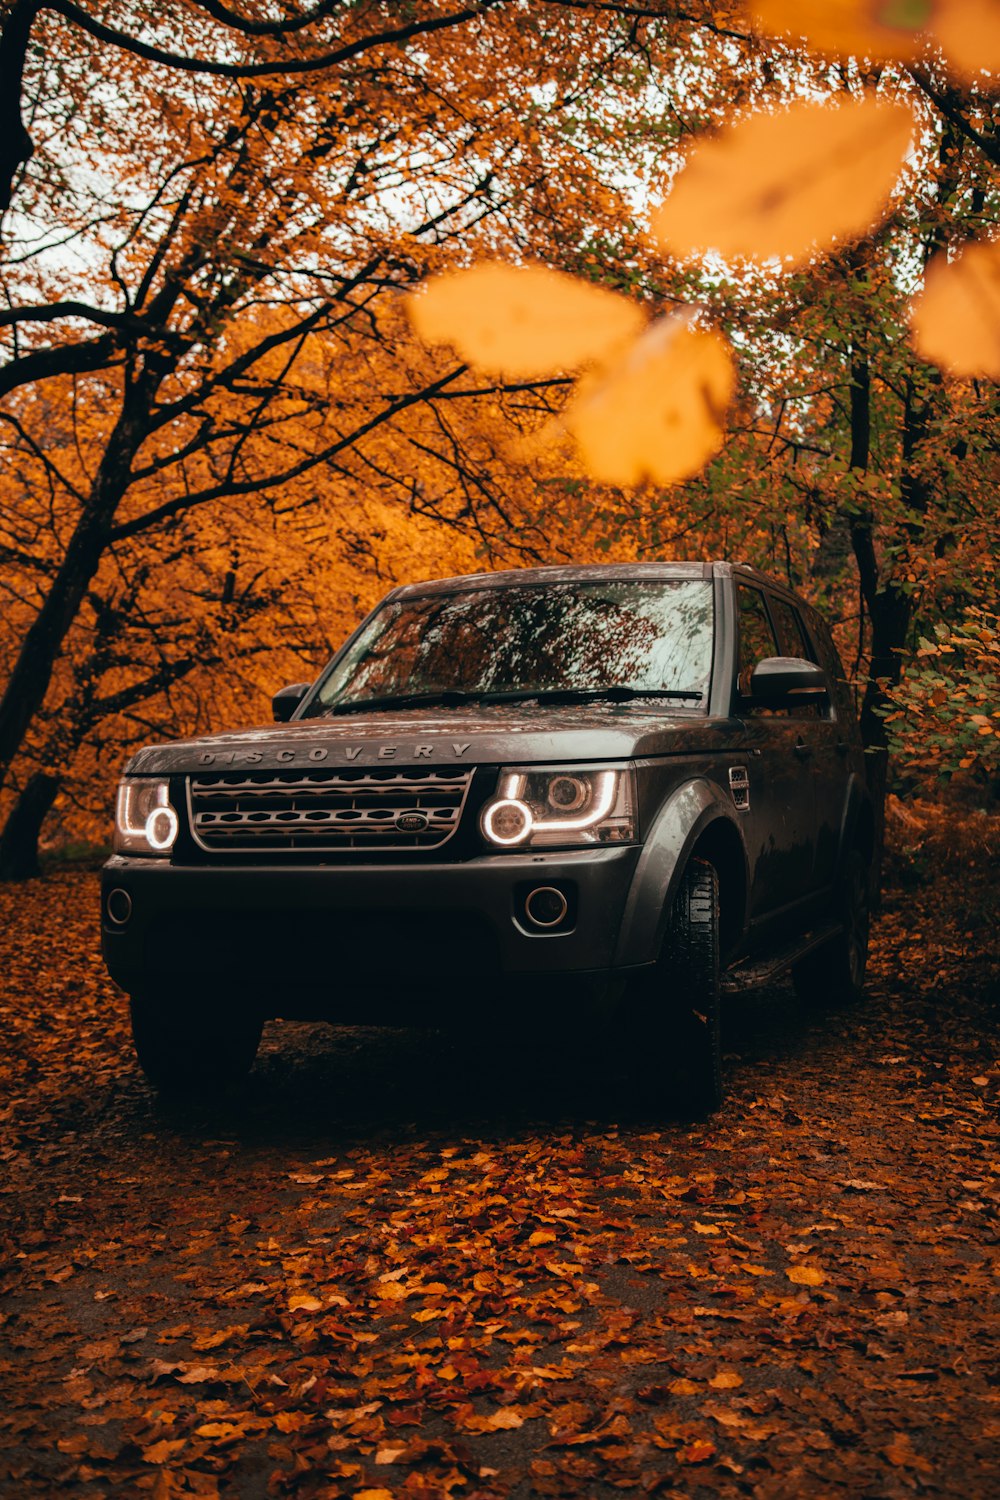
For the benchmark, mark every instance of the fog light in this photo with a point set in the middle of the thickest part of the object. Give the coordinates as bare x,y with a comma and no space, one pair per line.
546,906
119,906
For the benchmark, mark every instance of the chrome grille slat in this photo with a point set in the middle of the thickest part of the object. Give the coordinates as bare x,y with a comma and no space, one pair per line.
323,810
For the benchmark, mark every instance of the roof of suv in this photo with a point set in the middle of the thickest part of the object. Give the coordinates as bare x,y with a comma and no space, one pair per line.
583,572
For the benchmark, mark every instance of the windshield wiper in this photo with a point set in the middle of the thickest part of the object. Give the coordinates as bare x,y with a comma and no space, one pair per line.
449,698
457,697
614,694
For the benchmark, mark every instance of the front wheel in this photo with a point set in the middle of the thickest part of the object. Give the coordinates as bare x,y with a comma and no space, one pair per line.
835,973
192,1045
679,1041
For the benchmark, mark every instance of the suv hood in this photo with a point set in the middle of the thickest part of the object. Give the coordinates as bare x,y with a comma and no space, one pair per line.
493,735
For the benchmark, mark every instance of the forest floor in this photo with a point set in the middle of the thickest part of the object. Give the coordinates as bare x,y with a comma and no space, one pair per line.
384,1270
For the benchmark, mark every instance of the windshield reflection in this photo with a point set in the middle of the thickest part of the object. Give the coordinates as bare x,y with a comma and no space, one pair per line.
647,635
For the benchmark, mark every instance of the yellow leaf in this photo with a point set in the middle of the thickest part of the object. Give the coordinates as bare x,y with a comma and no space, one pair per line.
391,1291
541,1237
806,1275
785,183
504,1419
726,1380
225,1430
523,321
163,1451
969,34
847,28
661,411
389,1455
696,1453
956,318
304,1302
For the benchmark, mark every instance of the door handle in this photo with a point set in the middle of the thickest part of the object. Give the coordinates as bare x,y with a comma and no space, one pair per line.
802,750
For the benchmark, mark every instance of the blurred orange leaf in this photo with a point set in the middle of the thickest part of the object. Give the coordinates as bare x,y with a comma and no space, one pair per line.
787,182
660,413
956,318
969,34
523,321
848,28
967,31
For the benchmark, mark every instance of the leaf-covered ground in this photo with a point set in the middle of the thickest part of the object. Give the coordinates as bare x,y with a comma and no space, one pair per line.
394,1267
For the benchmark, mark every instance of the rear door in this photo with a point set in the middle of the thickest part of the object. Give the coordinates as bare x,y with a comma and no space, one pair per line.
782,813
821,742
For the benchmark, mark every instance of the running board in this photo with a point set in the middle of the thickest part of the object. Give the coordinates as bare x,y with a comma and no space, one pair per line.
749,975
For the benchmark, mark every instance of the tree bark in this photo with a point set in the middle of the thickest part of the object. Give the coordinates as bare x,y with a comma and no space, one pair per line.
29,681
19,840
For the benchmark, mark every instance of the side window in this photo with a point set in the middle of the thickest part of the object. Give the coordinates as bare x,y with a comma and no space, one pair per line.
830,661
794,641
756,634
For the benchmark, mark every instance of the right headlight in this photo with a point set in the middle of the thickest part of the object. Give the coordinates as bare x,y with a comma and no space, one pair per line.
560,807
145,822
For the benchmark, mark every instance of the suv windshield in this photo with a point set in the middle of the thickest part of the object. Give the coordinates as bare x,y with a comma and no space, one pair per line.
516,640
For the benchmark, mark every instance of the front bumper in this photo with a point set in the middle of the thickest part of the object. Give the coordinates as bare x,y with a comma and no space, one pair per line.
325,939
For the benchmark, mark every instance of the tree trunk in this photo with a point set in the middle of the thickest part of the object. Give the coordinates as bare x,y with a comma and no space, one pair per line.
19,840
29,681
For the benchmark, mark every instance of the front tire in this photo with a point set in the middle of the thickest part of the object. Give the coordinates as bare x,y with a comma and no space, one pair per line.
835,973
194,1046
679,1045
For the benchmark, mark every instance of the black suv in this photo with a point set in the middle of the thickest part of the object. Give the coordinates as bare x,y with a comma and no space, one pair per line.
603,793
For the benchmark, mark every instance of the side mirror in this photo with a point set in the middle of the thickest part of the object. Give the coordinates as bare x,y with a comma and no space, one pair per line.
781,681
287,699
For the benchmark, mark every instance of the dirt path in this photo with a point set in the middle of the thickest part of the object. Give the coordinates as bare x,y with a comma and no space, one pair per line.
392,1270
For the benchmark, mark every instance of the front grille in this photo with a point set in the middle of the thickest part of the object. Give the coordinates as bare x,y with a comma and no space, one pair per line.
325,810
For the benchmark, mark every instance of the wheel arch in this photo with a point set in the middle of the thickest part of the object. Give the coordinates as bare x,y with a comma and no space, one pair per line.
859,831
721,846
697,820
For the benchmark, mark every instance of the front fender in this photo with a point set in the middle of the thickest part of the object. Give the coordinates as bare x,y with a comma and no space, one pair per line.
678,826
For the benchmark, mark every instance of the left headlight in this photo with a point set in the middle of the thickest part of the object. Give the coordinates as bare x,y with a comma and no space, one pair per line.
561,807
145,822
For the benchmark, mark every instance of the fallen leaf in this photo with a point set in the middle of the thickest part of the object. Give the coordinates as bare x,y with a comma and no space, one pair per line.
541,1237
304,1302
389,1455
787,182
505,1419
695,1453
391,1291
163,1451
726,1380
805,1275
